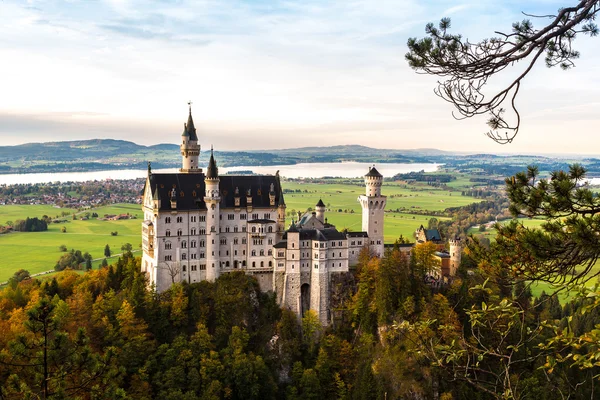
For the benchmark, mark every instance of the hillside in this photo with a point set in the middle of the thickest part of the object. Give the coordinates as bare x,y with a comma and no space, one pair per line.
103,154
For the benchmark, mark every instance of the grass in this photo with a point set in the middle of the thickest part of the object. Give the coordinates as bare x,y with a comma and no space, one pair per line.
38,251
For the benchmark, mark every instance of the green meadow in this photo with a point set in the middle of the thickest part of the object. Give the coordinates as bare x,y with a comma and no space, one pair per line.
38,251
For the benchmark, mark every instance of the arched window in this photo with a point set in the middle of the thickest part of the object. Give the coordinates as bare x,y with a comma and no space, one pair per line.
183,244
167,245
183,268
262,252
253,264
253,253
262,264
270,229
253,229
168,233
270,263
193,244
243,263
227,264
179,232
270,252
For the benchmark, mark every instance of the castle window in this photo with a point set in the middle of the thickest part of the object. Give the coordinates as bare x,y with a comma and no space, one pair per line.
179,232
292,255
193,267
235,240
340,253
202,218
235,229
227,264
220,217
253,253
360,242
280,254
193,256
227,229
316,256
193,219
168,233
183,256
235,252
202,243
183,268
270,252
316,266
340,264
223,241
253,229
253,264
167,245
270,263
243,216
193,231
262,252
179,219
243,263
340,244
243,240
243,229
270,229
262,264
168,258
267,216
254,216
230,217
332,244
167,220
202,267
202,255
193,244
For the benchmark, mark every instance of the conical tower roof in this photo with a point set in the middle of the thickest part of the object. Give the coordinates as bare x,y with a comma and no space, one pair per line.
320,203
212,172
189,127
373,172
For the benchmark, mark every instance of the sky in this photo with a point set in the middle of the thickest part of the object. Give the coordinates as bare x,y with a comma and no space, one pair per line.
269,74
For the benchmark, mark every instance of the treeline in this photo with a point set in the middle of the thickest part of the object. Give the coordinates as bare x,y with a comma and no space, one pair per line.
424,177
30,225
473,214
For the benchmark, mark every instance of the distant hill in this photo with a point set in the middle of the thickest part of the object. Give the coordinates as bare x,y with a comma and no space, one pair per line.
96,154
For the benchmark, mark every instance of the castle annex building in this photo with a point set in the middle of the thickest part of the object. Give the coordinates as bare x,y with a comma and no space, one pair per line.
198,225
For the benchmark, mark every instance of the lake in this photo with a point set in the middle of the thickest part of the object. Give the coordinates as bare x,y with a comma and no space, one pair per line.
309,170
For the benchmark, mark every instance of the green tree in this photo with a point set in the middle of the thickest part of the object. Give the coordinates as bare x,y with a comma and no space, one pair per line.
107,251
127,247
46,362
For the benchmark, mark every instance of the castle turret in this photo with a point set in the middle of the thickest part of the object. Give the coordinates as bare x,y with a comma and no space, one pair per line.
455,255
212,199
190,149
373,208
320,211
280,211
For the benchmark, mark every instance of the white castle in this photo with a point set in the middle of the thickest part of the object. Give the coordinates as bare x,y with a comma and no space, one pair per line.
198,226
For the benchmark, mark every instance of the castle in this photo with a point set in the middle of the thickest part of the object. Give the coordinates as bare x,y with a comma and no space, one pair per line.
199,225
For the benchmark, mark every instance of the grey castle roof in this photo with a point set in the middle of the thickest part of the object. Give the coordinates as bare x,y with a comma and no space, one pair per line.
320,203
374,173
190,189
357,234
321,235
212,172
188,129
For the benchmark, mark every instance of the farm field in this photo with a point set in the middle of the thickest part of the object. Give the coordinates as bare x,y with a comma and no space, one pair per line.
38,251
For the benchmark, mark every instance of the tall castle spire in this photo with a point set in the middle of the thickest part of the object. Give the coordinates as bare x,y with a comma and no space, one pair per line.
212,172
190,149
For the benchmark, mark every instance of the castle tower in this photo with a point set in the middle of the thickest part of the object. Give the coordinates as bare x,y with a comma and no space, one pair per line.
295,297
190,149
280,212
212,200
320,209
455,255
373,208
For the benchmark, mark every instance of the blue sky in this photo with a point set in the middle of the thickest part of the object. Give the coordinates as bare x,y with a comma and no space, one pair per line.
267,74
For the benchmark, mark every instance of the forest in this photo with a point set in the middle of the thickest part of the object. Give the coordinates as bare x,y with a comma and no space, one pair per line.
106,334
